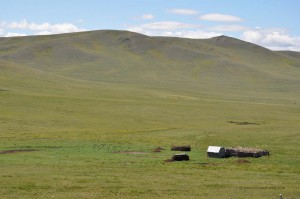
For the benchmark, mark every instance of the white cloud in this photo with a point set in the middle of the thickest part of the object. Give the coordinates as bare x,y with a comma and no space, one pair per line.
54,28
173,29
252,36
13,34
183,11
42,28
164,25
220,17
229,28
279,39
192,34
147,16
45,32
1,32
23,24
272,38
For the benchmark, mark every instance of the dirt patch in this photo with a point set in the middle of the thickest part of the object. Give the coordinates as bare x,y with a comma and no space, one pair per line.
242,161
132,152
18,151
181,148
157,149
243,123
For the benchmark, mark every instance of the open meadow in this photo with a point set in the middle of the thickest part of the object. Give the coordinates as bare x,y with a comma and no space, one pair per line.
80,120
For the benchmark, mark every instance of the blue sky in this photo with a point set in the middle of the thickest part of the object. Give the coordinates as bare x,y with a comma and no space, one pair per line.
270,23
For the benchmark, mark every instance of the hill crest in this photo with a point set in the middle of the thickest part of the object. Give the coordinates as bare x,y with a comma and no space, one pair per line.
133,58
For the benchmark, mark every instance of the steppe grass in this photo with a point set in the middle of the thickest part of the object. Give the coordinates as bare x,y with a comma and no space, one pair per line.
88,108
81,140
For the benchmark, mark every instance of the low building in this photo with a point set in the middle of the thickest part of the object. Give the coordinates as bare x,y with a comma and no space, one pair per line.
243,152
181,148
180,157
216,152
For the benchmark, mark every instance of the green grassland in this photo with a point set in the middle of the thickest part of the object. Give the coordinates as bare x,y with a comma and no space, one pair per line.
84,101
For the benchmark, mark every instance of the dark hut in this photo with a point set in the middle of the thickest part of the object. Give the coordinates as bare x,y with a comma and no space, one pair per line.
180,157
243,152
181,148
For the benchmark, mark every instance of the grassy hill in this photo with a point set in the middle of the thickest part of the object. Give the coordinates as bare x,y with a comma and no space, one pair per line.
118,56
84,100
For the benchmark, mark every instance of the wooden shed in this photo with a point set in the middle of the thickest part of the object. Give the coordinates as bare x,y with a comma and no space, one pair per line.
243,152
181,148
180,157
216,152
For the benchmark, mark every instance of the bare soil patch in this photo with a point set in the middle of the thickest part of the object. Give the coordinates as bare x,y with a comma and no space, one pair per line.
18,151
157,149
243,123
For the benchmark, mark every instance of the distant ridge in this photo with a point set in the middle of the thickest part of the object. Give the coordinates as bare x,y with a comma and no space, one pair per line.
133,58
291,54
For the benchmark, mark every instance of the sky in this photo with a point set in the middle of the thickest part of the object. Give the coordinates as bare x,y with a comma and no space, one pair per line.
273,24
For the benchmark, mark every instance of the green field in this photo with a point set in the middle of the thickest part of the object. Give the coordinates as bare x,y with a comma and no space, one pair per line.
86,109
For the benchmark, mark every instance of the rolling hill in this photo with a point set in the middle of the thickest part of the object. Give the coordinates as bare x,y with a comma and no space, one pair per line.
119,56
131,57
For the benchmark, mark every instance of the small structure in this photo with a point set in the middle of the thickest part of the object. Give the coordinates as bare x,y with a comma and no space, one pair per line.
180,157
216,152
181,148
243,152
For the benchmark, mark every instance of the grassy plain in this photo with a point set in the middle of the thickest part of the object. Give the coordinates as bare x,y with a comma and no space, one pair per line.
81,121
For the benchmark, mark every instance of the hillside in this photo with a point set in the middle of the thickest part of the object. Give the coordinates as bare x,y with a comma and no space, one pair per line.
119,55
80,114
291,54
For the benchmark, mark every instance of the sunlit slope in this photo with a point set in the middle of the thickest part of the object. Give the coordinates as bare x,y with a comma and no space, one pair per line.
221,66
34,101
17,78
